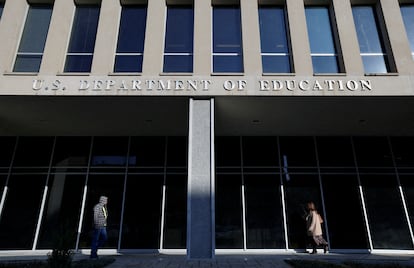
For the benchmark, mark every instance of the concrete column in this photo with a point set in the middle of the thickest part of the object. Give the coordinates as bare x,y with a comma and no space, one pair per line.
251,37
302,62
106,37
348,38
11,22
200,197
154,42
397,36
202,37
54,55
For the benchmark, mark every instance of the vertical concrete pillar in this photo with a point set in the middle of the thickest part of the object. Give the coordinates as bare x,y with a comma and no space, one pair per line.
299,37
106,37
251,37
400,46
200,199
348,38
54,55
12,21
202,37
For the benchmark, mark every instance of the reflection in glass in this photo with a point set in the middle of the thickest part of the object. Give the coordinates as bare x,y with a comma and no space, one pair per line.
228,202
33,38
131,37
175,231
299,190
273,39
264,211
227,39
142,213
407,12
82,40
147,152
1,9
62,209
321,39
388,224
112,186
109,151
342,201
71,152
297,151
371,43
21,211
178,49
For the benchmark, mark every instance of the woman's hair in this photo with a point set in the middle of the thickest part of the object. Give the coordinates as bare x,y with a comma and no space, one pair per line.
311,206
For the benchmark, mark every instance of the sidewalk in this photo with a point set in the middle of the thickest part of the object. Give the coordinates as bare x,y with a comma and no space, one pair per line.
248,261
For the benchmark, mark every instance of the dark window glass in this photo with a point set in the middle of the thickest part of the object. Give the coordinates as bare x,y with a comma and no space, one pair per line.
264,211
177,152
7,145
130,49
1,8
403,150
407,12
370,40
260,152
229,230
175,230
178,51
227,39
21,211
342,200
274,40
109,152
33,39
387,221
71,151
297,152
112,186
33,152
299,190
147,152
372,152
82,41
62,210
142,213
407,183
321,39
335,152
228,152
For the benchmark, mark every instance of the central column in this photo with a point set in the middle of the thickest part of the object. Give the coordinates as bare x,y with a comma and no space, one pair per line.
200,194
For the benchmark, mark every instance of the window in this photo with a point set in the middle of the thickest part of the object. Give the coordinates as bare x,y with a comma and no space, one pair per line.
321,39
370,40
1,8
130,49
408,17
227,40
178,51
33,39
274,40
82,41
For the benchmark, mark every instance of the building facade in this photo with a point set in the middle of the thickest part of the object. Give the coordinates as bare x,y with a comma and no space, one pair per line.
208,124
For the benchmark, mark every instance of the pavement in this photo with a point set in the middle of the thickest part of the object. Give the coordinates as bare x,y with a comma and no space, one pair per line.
239,260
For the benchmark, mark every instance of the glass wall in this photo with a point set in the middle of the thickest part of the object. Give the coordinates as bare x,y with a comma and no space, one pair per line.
145,179
407,12
33,39
367,179
131,37
274,39
179,33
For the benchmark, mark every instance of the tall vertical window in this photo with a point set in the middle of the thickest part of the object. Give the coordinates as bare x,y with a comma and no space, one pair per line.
274,40
371,43
178,51
321,39
82,41
131,37
32,43
227,40
408,17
